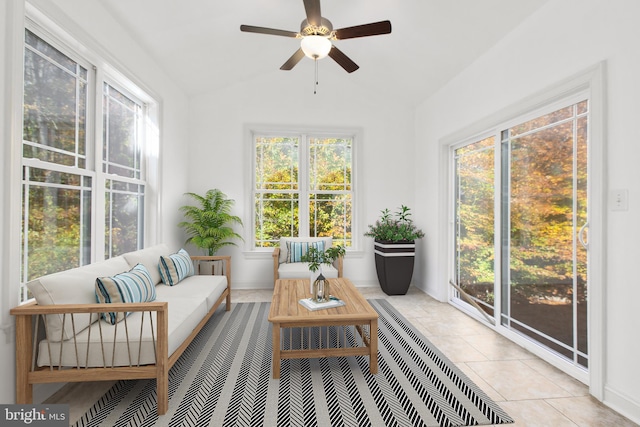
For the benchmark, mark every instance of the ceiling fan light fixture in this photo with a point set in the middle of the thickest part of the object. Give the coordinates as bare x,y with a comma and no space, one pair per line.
315,47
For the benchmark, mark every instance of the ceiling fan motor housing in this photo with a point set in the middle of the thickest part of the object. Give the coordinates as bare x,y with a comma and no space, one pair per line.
325,28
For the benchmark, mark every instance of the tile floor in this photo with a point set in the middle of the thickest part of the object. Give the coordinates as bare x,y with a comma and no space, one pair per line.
533,392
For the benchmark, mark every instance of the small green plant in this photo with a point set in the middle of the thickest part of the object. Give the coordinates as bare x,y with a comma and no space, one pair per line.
316,257
209,225
395,228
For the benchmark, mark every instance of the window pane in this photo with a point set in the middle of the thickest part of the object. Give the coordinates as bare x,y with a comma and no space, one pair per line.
55,97
276,215
330,164
121,149
50,52
57,220
124,225
474,216
548,119
276,184
330,215
276,163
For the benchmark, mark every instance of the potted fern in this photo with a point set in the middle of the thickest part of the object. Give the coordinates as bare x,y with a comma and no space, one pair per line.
209,225
394,242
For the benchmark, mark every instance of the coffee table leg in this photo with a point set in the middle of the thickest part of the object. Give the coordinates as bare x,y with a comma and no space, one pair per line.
373,357
276,351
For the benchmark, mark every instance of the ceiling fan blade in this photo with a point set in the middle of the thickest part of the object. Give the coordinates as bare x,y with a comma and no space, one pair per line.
312,7
373,29
291,62
263,30
343,60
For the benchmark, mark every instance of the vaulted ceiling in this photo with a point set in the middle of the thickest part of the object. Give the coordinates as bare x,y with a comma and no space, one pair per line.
199,45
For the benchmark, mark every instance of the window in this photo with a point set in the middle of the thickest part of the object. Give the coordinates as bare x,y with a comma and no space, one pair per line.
83,161
302,187
122,132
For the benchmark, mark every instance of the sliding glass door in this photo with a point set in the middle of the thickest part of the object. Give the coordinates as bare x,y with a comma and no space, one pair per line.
523,261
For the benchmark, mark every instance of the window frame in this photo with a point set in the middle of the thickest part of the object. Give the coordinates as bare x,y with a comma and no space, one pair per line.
303,133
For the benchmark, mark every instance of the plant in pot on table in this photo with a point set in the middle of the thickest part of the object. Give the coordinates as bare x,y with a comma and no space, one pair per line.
394,241
209,225
319,287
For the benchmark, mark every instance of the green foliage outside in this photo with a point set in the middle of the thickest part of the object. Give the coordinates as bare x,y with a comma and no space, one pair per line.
53,233
277,203
547,175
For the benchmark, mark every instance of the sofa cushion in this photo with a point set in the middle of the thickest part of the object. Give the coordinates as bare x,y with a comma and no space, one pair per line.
175,267
134,345
133,286
149,257
201,287
74,286
328,242
297,250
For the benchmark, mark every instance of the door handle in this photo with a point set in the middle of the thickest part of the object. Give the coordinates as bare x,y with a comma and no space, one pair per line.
581,235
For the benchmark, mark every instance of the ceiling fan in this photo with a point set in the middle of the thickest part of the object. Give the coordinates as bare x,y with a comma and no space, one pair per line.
317,33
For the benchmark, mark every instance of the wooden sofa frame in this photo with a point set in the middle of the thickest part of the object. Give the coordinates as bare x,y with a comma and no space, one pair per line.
28,374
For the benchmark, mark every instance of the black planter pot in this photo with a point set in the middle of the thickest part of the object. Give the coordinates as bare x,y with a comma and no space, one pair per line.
394,265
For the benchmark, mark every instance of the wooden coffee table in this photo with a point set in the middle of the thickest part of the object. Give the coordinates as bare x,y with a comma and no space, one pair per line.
287,313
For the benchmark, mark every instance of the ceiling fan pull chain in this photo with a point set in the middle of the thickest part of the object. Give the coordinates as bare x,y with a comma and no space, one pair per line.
315,86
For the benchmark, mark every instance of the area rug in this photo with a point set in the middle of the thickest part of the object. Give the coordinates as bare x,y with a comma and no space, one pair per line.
224,379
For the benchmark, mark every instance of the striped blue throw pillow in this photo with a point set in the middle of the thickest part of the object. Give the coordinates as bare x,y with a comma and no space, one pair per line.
175,267
133,286
296,250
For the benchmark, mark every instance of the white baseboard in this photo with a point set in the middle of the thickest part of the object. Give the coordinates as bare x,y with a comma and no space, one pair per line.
623,404
42,392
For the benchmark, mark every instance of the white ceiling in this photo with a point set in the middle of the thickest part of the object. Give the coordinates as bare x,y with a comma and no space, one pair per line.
198,43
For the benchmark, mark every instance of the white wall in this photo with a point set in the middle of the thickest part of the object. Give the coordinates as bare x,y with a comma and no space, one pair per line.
88,22
219,153
565,37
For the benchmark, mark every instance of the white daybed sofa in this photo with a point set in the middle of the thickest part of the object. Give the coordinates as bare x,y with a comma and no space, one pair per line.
63,337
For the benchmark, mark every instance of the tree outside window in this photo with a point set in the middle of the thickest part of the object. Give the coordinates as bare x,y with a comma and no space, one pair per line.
302,187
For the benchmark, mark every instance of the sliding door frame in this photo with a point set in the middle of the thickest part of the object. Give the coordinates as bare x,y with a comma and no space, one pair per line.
588,84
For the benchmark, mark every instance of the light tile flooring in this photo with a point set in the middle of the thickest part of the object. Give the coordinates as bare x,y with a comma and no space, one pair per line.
533,392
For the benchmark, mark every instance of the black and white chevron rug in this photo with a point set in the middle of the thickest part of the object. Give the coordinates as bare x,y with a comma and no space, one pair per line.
224,379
